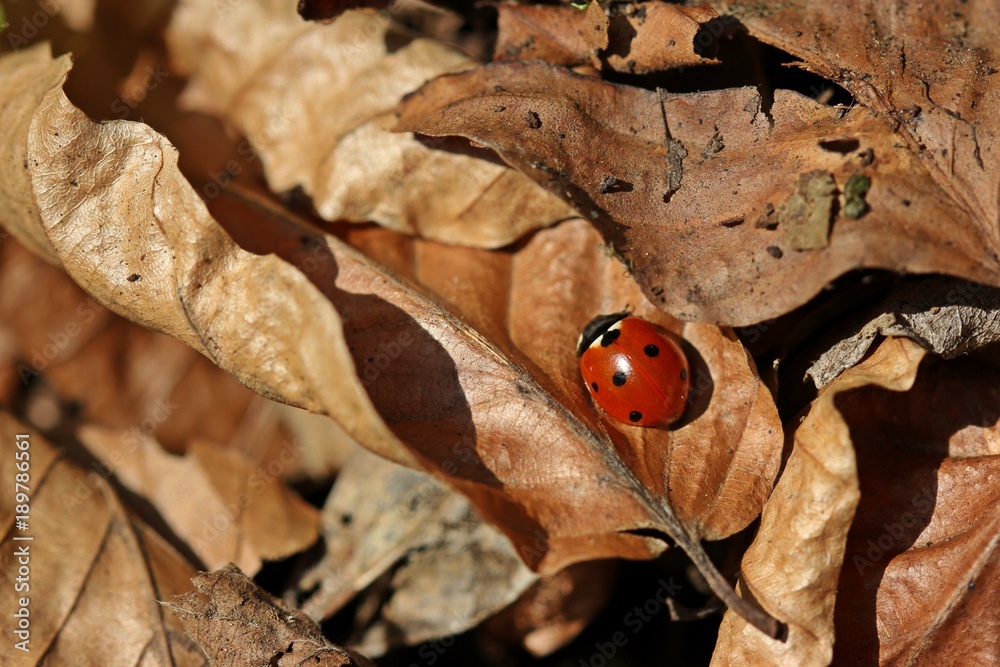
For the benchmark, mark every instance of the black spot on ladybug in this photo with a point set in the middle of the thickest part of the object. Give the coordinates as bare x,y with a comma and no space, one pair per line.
610,337
618,379
684,374
593,385
651,350
634,416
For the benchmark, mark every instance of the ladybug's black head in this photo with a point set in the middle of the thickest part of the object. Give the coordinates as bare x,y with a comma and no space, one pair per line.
597,328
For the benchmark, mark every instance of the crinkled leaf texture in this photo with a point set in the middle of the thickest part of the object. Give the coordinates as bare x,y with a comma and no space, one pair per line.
498,413
316,104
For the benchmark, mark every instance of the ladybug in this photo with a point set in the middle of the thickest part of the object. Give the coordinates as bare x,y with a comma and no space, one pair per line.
635,371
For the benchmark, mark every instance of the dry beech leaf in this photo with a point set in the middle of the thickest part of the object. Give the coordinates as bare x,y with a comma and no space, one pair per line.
559,35
328,131
107,370
889,57
531,304
93,566
641,38
791,568
238,624
221,506
654,36
919,583
524,446
449,570
31,75
133,233
648,170
948,317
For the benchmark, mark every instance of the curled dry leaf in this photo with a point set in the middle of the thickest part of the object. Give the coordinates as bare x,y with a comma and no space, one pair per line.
449,570
221,506
792,567
236,623
328,132
524,445
131,213
560,35
654,36
919,583
948,317
648,168
92,565
640,38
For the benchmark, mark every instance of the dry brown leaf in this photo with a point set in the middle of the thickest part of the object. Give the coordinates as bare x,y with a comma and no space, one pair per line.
640,38
223,508
544,299
791,568
654,36
560,35
946,316
237,623
88,365
133,233
522,445
648,170
328,132
32,75
448,569
90,565
919,583
929,70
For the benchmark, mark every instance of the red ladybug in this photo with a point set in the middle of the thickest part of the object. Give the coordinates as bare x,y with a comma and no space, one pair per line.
636,371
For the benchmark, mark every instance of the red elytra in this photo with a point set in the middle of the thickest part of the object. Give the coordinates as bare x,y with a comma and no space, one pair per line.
635,370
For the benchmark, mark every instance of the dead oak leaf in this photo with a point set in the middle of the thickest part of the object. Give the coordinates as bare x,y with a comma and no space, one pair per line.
237,623
328,132
686,218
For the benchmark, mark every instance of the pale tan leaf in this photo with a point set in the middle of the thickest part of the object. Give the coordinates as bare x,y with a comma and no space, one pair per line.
791,569
328,130
215,500
90,565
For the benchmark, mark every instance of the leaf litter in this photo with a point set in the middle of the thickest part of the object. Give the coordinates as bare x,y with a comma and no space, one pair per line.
896,183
